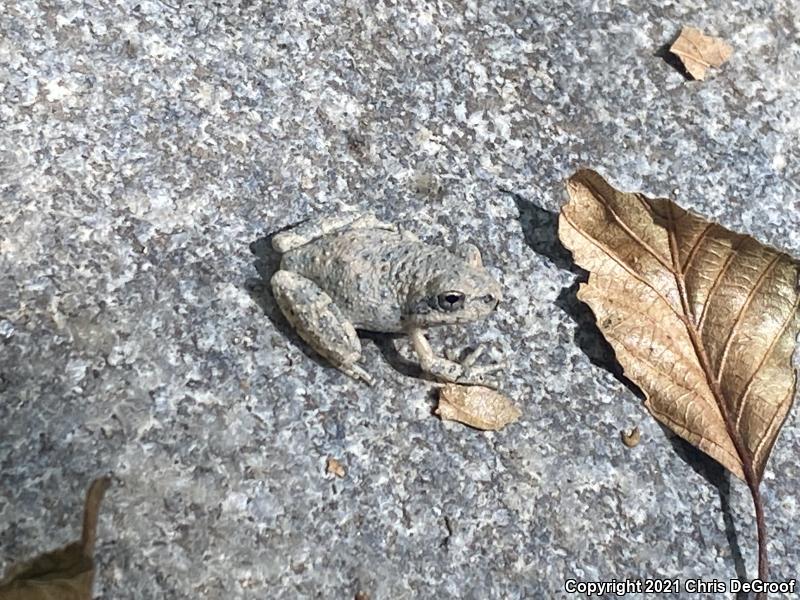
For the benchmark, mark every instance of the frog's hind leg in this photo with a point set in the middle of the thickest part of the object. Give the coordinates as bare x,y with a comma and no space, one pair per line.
310,230
319,322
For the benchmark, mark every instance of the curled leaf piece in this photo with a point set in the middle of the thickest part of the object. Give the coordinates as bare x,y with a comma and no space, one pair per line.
334,467
631,437
476,406
66,573
704,320
698,51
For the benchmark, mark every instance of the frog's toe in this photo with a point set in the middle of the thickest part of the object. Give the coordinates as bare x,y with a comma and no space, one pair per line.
314,228
357,372
470,253
473,356
468,363
469,359
479,374
483,369
481,379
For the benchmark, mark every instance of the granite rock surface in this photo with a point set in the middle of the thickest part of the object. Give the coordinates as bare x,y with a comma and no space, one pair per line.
148,149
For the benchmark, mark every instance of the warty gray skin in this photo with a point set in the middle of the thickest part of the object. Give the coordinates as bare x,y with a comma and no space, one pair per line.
352,271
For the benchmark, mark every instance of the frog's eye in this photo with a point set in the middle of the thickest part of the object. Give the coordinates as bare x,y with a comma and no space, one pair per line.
450,301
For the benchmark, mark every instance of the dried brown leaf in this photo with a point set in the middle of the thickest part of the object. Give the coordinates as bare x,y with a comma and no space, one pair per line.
66,573
631,438
476,406
698,51
334,467
704,320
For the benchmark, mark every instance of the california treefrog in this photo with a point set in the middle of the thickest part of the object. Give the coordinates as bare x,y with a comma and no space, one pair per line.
350,271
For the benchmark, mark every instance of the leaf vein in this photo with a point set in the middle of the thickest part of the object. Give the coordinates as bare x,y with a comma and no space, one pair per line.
620,262
746,391
717,280
675,425
696,247
655,367
624,226
740,316
768,436
673,345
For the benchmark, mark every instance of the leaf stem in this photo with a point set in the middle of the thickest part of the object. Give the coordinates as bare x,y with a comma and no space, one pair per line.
761,527
91,511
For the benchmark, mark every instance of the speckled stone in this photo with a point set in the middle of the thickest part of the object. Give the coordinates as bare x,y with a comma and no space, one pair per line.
147,148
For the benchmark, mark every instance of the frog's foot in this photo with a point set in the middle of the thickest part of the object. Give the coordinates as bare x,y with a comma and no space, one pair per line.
470,253
319,322
470,358
315,228
370,221
357,372
465,372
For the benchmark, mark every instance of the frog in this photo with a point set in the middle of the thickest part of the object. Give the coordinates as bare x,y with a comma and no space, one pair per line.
340,273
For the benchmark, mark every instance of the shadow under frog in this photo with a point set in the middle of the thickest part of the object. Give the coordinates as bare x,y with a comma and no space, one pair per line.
266,264
336,274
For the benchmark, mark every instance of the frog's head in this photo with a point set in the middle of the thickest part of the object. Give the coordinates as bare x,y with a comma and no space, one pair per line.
459,296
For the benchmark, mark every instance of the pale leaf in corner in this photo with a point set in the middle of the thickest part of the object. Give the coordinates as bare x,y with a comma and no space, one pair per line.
66,573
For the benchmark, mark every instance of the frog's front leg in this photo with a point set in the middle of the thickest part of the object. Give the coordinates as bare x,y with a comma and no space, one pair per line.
319,322
465,372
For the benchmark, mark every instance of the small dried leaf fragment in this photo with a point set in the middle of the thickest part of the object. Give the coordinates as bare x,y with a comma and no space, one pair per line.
702,319
631,438
698,51
334,467
476,406
66,573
